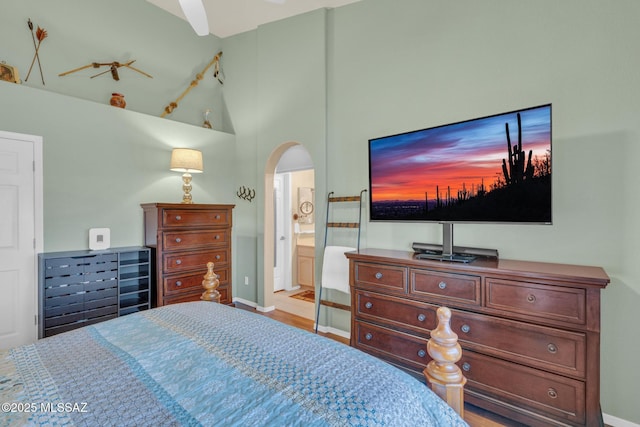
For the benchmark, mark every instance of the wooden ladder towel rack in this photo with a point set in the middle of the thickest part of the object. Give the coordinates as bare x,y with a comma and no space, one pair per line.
331,225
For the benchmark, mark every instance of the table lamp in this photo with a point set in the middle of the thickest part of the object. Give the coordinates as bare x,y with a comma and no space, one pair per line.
187,161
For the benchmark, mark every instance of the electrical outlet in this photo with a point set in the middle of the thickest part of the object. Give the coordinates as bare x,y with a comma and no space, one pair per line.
246,280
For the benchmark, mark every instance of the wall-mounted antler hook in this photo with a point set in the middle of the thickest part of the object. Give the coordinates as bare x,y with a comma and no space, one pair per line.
246,193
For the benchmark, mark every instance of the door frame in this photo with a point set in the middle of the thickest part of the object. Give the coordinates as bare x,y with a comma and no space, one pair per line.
268,243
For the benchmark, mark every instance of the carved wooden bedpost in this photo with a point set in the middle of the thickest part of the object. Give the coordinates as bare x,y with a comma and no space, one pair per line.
210,283
442,373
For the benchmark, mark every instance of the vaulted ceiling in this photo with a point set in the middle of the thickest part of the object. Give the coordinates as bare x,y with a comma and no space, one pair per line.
229,17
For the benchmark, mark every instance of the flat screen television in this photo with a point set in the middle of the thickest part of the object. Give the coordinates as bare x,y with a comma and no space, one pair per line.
493,169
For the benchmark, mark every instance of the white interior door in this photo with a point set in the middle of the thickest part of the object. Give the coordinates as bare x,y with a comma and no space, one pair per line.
282,259
20,236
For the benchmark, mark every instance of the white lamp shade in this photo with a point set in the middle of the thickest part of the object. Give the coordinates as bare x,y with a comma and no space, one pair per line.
196,15
186,160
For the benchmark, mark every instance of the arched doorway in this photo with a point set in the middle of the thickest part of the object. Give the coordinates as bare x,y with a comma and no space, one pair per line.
288,163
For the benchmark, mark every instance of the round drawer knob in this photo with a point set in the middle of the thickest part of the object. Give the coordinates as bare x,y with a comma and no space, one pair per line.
178,217
466,366
421,317
552,393
178,240
178,283
178,261
465,328
531,298
217,237
552,348
217,256
442,285
422,353
217,216
368,336
378,275
368,304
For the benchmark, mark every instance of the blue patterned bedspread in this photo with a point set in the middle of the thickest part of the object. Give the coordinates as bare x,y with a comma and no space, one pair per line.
207,364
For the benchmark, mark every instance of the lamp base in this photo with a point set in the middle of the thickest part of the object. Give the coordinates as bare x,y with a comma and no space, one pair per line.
186,188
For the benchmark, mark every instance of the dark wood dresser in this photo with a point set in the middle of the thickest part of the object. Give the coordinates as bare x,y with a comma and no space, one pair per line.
184,238
530,332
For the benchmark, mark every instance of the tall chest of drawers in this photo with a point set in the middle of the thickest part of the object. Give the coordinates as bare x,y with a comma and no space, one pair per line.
530,332
184,238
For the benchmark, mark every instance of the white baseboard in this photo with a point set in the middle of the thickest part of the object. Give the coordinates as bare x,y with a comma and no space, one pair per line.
617,422
334,331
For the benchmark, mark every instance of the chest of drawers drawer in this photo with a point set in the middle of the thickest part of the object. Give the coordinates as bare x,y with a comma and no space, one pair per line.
195,218
225,296
175,262
191,281
379,276
546,348
545,393
551,303
179,240
418,317
445,287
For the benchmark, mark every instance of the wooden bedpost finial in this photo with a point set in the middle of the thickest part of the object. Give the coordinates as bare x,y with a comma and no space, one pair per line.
210,284
442,373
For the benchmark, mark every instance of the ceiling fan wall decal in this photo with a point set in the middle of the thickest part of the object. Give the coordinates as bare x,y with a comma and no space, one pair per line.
196,15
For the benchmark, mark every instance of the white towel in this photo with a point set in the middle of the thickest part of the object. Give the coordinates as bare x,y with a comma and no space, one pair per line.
335,268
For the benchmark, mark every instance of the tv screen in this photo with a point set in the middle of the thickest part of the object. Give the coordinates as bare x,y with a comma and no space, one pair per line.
490,169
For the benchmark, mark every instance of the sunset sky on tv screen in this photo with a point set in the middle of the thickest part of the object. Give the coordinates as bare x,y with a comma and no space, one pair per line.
469,154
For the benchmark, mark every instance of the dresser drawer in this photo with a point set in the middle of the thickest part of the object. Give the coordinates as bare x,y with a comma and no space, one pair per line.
188,282
225,297
195,217
174,262
380,276
177,240
183,297
523,387
399,348
545,348
445,287
556,303
419,317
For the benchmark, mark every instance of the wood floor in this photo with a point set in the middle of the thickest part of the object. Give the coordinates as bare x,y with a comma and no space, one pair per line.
475,417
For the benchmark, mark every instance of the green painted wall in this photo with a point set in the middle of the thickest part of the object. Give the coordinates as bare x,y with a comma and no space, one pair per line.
101,163
398,66
333,79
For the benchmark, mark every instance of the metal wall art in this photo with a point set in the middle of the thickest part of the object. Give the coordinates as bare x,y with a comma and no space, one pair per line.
245,193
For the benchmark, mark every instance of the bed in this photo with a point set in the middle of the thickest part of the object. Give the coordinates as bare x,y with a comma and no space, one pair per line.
203,363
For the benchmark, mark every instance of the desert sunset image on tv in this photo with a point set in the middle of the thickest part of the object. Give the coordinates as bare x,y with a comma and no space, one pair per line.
490,169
